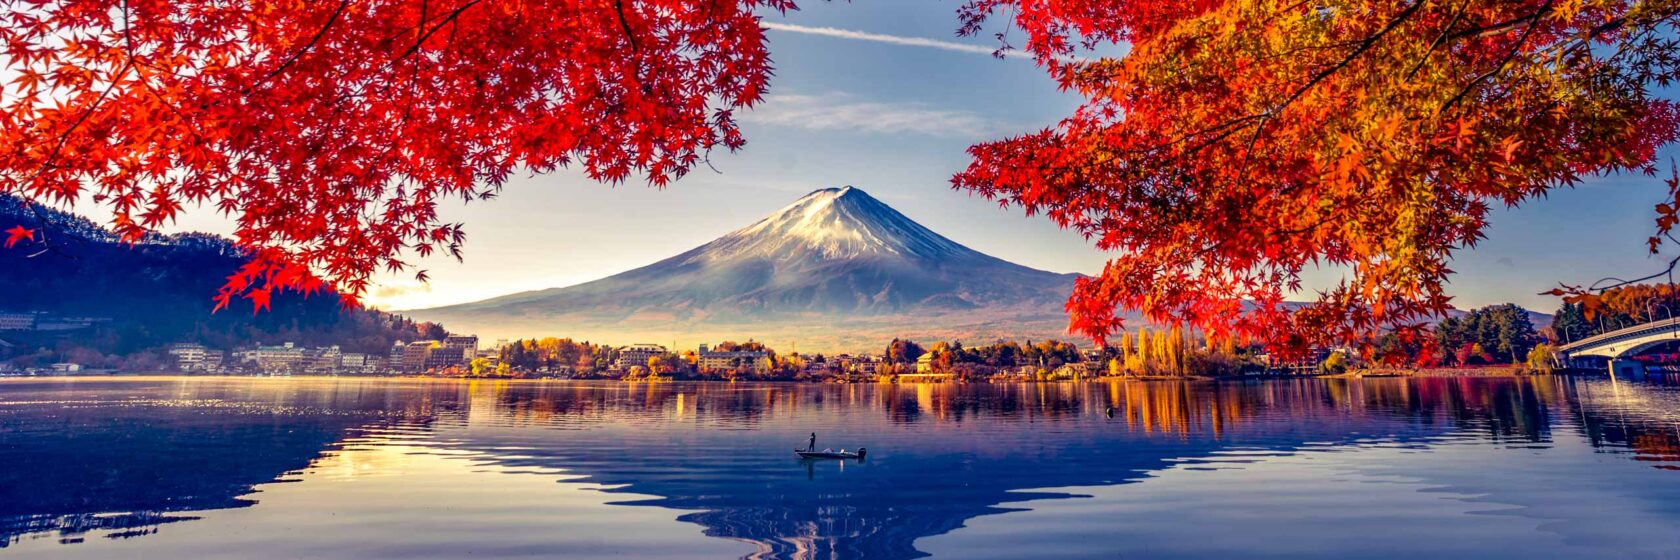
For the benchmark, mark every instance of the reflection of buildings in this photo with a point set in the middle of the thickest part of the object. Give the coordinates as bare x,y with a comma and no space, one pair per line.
949,452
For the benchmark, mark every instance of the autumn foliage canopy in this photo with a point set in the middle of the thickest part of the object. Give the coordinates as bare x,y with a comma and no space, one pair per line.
331,129
1234,145
1239,143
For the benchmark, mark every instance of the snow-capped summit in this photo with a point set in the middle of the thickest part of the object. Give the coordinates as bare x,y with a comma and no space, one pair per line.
835,223
835,265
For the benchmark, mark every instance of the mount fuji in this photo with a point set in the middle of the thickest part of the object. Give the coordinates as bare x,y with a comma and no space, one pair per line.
835,270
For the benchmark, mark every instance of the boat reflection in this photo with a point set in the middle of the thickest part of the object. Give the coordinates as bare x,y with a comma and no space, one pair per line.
120,459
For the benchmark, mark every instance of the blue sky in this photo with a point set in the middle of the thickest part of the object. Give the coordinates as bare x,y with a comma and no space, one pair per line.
892,115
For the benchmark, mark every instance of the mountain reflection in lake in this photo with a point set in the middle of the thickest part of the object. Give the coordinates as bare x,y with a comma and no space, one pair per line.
1550,467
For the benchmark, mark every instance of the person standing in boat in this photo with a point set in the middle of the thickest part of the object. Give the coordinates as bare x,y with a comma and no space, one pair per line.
812,446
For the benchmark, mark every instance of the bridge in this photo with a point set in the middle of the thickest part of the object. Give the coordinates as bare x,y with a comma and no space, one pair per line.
1620,346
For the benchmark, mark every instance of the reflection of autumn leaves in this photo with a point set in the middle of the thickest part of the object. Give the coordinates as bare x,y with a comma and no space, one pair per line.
1662,447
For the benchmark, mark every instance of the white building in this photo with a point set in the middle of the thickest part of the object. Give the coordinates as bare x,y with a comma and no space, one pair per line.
17,321
274,359
189,356
352,362
756,362
638,355
863,365
323,360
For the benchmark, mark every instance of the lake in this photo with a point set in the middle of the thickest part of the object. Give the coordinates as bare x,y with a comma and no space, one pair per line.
165,467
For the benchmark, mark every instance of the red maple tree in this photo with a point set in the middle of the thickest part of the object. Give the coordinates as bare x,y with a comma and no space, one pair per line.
330,130
1234,145
1237,143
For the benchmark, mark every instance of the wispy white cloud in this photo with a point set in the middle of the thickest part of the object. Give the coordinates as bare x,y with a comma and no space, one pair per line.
844,112
891,39
397,290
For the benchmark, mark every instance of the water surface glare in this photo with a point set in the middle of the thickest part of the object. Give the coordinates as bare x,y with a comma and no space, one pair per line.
162,467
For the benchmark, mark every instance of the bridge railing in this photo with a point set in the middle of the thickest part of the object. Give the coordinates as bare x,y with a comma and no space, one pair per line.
1653,327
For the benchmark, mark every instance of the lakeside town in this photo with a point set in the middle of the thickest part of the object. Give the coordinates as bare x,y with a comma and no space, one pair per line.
1497,339
1145,353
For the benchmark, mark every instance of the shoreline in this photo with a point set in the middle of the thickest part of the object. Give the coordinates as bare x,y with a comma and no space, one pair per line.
1490,372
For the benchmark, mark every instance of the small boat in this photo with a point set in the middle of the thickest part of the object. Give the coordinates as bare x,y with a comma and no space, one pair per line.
831,454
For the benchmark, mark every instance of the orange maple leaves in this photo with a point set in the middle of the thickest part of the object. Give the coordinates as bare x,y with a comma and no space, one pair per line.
1240,143
331,130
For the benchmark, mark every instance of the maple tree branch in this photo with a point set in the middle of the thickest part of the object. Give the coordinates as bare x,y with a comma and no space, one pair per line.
1503,26
1231,127
1364,46
1441,39
1618,282
319,33
421,40
1498,68
58,147
625,23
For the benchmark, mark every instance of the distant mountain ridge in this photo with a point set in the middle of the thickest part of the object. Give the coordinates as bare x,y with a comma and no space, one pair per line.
835,269
158,291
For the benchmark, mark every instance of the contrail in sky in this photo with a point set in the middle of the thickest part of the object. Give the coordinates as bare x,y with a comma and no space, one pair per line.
891,39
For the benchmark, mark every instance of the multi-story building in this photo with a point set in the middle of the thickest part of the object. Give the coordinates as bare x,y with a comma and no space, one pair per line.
442,357
352,362
17,321
322,360
460,349
638,355
756,362
285,358
213,361
47,322
862,365
394,356
416,356
189,356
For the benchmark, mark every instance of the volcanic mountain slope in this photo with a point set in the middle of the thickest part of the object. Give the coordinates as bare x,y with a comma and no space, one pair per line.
837,269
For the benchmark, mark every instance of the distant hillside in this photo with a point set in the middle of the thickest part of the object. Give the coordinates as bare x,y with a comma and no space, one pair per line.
158,292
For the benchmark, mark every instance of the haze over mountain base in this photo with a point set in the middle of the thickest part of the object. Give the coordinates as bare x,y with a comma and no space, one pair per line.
836,270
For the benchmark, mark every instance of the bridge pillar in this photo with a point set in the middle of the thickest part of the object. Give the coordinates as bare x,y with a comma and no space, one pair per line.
1627,368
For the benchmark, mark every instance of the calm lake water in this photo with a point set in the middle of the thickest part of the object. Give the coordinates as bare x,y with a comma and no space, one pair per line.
1553,467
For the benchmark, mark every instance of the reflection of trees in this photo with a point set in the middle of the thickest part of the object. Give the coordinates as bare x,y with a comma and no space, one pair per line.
129,465
1499,408
947,452
1642,418
960,450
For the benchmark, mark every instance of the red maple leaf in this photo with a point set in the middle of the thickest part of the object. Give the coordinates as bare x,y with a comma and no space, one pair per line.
18,233
236,119
259,300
